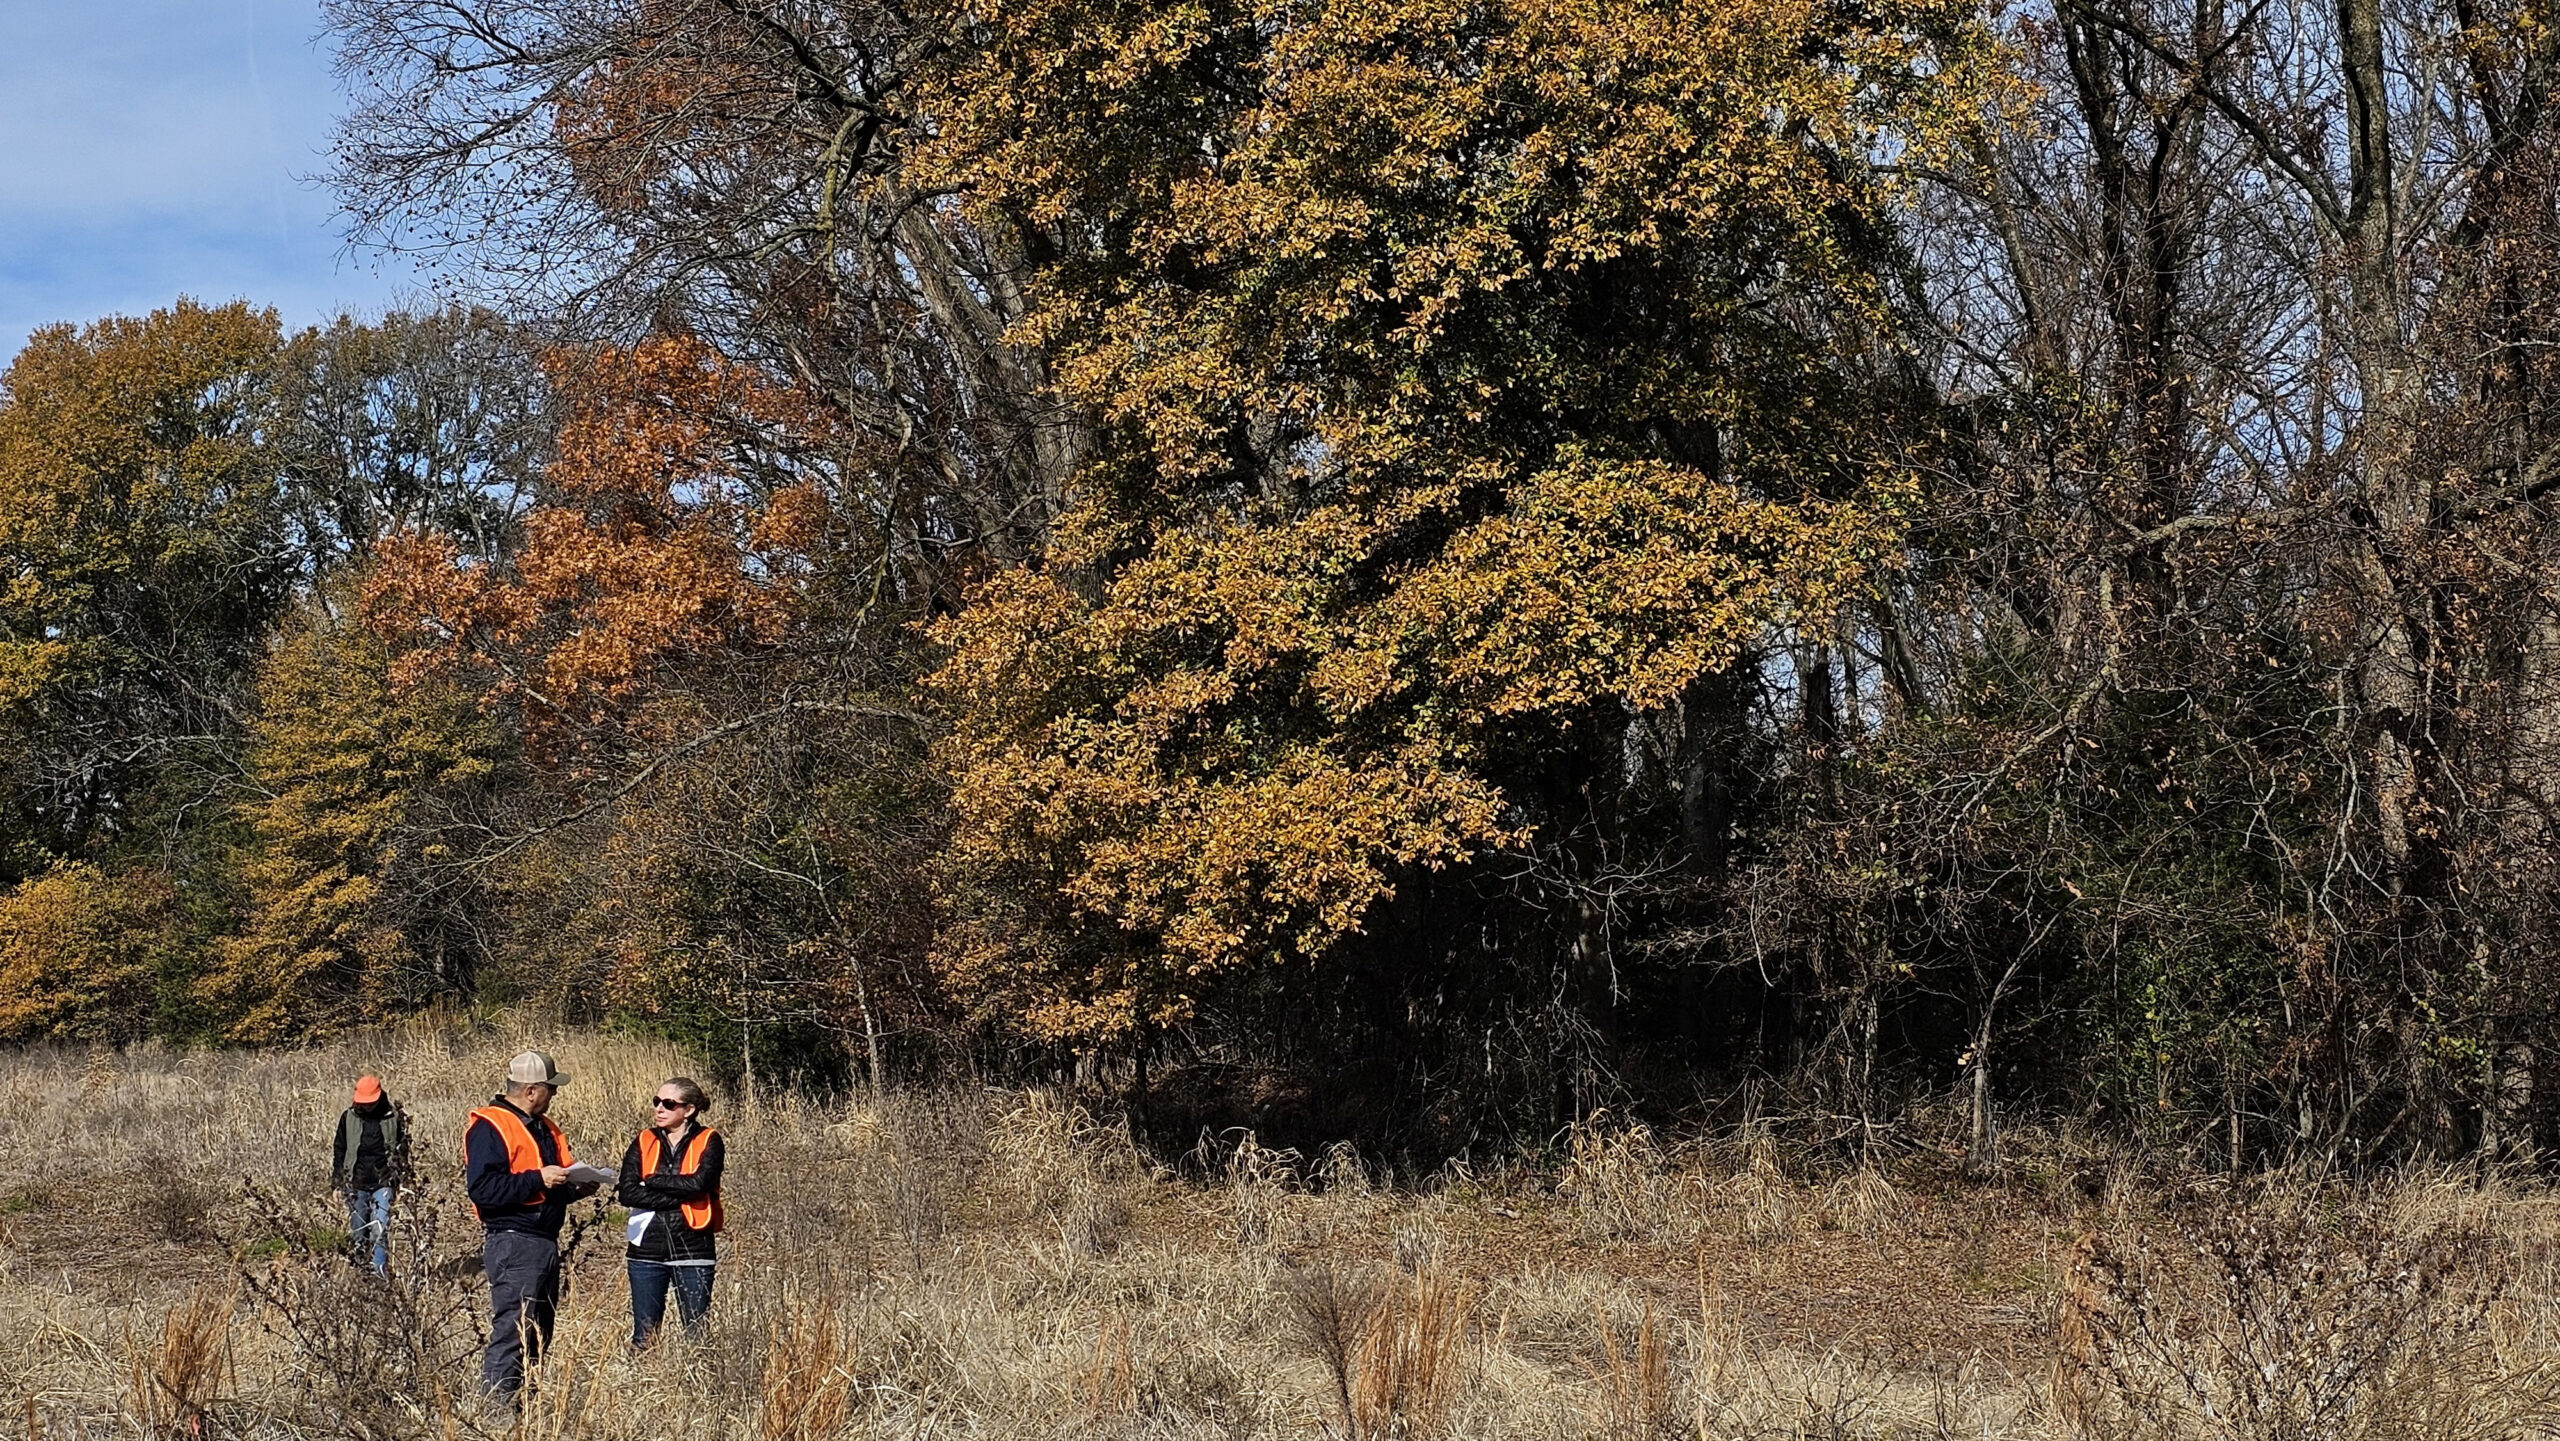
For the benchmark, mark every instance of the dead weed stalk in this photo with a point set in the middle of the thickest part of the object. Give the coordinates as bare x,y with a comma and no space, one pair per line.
1110,1384
2294,1320
373,1353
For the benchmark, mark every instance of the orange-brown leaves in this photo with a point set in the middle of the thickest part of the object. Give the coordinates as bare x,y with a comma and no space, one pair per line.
677,532
692,83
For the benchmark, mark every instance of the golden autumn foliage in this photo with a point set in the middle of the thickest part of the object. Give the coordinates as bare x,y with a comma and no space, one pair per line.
341,762
126,461
1471,372
83,951
140,545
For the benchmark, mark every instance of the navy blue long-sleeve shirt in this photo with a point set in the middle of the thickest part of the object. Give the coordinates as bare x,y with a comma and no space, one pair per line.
504,1197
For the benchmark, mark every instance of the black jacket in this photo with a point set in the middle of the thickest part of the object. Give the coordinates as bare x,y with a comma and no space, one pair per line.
669,1238
505,1198
371,1147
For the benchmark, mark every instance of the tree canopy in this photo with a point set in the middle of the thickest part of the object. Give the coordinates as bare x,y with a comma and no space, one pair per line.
1501,559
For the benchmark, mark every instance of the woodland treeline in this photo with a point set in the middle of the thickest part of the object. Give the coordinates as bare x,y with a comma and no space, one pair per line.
1451,562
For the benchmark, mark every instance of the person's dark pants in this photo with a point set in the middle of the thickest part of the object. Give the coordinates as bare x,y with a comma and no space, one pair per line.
650,1281
524,1289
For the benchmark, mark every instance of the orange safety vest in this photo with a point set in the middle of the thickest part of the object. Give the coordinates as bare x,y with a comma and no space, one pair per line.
703,1213
522,1154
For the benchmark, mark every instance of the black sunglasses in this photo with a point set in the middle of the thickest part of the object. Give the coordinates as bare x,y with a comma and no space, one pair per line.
663,1104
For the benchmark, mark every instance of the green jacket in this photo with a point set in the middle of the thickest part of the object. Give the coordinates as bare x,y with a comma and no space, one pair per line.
350,1142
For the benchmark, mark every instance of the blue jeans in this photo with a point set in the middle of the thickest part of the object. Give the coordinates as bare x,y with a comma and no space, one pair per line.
369,1225
649,1283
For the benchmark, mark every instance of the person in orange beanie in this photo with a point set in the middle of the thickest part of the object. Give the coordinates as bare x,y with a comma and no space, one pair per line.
367,1165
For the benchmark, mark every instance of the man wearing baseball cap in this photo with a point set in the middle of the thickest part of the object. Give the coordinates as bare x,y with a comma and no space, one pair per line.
516,1167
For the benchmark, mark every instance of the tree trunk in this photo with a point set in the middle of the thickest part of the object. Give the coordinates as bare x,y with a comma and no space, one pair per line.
870,1027
1982,1151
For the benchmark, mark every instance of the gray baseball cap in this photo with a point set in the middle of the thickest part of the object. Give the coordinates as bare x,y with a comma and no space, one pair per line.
534,1068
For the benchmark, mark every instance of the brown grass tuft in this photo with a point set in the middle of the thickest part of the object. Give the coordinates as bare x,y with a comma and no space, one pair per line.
1634,1380
1622,1185
1407,1372
808,1379
1259,1183
176,1381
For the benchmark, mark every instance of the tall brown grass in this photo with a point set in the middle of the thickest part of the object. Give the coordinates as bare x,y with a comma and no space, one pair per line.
176,1380
807,1392
1635,1382
975,1263
1409,1369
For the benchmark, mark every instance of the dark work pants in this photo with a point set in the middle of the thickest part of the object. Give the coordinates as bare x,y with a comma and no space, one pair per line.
650,1281
524,1287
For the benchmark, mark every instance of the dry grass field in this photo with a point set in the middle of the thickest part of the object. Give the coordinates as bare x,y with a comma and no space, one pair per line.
1002,1264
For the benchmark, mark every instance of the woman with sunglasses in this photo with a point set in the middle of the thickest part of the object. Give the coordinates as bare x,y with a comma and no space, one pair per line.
671,1184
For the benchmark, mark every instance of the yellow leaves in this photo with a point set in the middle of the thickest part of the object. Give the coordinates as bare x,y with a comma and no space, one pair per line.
1463,367
1232,755
30,668
1627,580
1415,154
1168,36
1213,869
1284,862
80,952
142,547
127,415
338,757
1019,637
127,449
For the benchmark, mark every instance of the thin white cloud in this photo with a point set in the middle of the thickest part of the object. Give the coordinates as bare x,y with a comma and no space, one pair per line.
152,148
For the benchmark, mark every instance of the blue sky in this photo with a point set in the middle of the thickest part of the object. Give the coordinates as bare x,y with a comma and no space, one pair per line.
156,148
